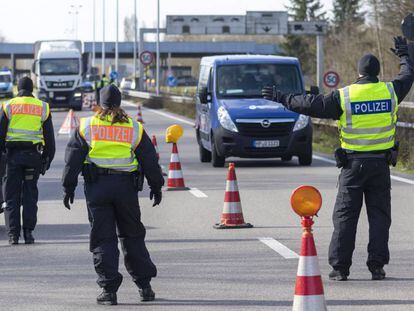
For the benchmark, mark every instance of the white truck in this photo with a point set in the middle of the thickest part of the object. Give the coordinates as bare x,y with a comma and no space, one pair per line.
58,69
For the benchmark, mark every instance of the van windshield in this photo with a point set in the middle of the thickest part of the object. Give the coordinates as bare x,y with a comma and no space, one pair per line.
247,81
5,78
59,67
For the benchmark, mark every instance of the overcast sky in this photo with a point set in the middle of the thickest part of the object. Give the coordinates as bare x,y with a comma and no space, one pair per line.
31,20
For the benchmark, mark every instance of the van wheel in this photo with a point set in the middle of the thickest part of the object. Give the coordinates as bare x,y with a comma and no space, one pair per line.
205,155
217,160
77,108
305,159
287,158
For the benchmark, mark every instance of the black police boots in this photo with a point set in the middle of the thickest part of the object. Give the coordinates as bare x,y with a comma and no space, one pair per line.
146,294
28,237
13,239
338,275
378,274
106,298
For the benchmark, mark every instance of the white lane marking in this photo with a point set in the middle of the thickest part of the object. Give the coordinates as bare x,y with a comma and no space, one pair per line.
396,178
198,193
279,248
162,113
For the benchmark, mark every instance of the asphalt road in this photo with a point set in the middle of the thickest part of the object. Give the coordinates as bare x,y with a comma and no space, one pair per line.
201,268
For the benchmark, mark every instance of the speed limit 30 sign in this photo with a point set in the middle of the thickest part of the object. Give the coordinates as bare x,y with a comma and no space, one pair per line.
331,79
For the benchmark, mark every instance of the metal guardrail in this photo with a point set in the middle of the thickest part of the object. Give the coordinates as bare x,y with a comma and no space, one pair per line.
190,100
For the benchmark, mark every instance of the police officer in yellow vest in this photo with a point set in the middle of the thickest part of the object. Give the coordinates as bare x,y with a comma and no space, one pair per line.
26,133
109,148
366,114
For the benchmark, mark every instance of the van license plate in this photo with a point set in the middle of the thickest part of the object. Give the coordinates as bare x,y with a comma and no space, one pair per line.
266,143
60,97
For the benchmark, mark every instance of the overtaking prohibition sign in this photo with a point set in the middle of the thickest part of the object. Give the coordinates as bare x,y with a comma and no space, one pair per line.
331,79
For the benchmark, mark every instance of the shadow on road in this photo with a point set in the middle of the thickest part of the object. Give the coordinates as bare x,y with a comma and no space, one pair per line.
275,163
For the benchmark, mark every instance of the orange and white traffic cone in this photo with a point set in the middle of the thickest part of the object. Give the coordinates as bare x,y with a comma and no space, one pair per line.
139,115
309,295
175,175
232,215
155,144
70,123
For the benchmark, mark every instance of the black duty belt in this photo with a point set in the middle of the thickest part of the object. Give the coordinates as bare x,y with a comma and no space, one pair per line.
108,171
366,156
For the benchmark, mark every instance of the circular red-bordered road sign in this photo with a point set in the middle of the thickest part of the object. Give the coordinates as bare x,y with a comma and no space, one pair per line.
331,79
146,58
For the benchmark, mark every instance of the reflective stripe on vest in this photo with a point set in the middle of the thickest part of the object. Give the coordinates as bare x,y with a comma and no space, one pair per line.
369,119
26,116
111,146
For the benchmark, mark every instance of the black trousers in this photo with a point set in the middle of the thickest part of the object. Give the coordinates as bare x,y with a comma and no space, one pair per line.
368,179
20,187
114,213
2,174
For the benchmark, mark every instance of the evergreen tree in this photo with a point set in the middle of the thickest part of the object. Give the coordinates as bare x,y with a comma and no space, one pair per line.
304,47
347,14
306,10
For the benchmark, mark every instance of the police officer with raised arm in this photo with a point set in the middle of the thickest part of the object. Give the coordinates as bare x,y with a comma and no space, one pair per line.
110,148
26,133
367,114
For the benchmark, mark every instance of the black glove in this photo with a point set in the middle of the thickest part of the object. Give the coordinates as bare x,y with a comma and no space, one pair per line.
45,165
157,195
401,46
68,197
271,93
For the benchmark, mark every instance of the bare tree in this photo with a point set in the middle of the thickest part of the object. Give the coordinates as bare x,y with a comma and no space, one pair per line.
129,24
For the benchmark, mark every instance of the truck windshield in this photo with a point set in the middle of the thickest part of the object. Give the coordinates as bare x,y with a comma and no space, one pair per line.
234,81
5,78
59,67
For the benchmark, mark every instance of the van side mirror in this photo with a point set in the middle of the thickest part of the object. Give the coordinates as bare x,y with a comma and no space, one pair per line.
203,95
314,90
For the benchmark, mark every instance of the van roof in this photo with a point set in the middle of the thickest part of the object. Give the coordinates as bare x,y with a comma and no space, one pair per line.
248,59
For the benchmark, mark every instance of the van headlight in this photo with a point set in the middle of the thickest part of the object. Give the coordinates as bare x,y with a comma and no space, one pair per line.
301,122
78,94
225,120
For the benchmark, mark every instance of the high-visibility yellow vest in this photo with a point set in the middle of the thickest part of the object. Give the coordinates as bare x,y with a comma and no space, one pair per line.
26,116
369,116
111,145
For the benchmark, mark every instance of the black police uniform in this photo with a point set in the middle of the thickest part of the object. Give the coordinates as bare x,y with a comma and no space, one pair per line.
112,200
24,165
2,174
366,175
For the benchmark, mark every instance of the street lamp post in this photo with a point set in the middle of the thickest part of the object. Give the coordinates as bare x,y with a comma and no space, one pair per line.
157,87
94,35
135,41
103,37
74,10
117,38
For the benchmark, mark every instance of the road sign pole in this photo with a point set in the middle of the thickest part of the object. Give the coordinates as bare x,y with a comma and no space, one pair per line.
319,61
94,34
141,68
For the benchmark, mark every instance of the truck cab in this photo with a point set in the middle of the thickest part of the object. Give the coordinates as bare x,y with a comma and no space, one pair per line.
232,118
6,83
58,73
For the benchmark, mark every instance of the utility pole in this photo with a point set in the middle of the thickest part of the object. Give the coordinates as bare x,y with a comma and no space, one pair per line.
157,87
103,36
94,35
117,38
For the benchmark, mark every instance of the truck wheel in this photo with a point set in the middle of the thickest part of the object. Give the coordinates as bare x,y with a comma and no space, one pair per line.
205,155
217,160
305,159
